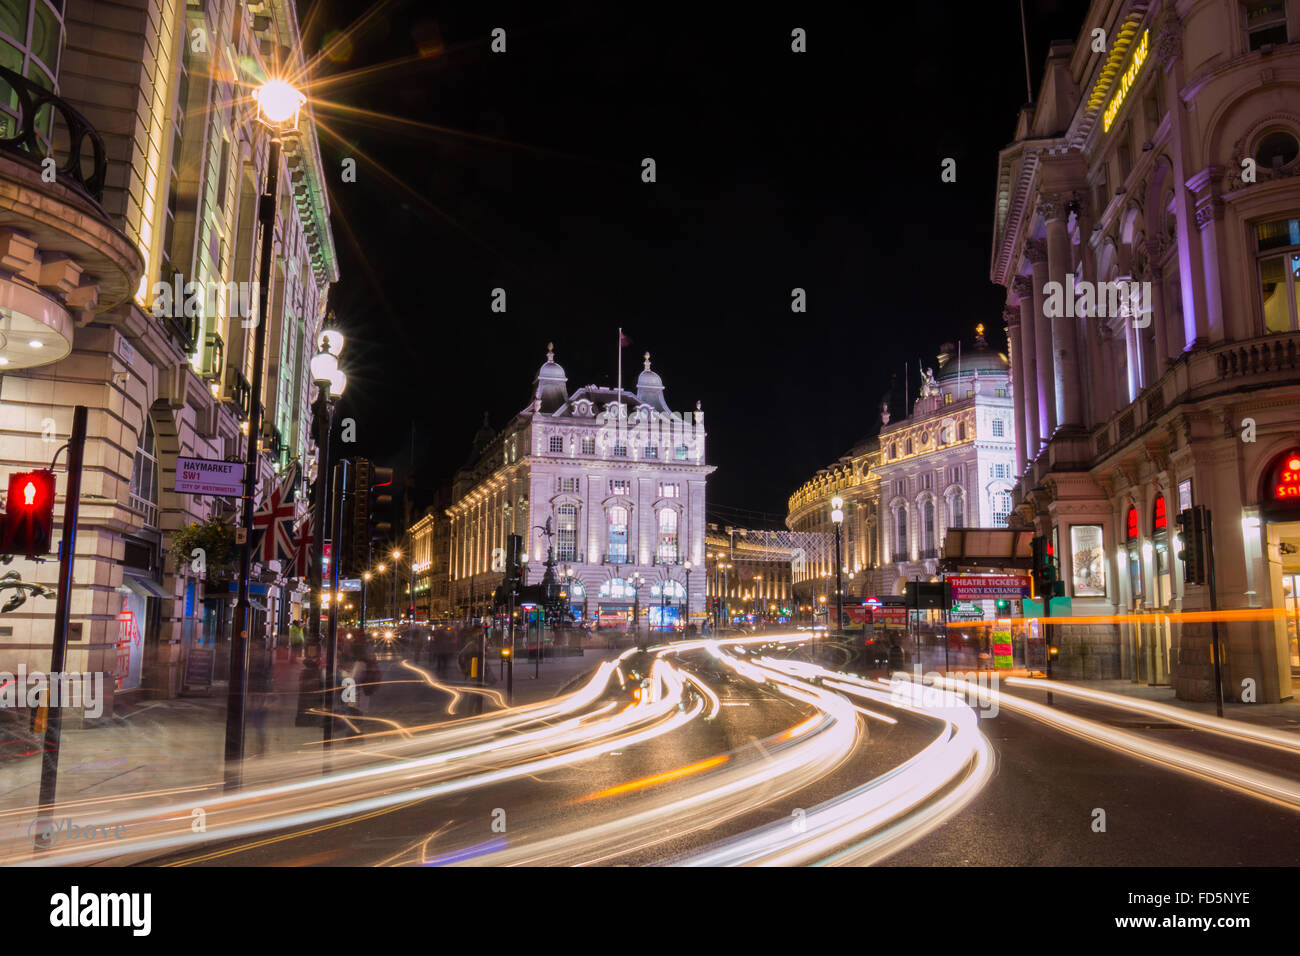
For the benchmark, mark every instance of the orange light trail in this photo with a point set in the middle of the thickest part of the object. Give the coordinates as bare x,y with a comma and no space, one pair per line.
665,777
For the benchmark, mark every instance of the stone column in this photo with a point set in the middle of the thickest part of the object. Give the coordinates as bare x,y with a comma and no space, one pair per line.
1065,352
1012,316
1036,252
1022,287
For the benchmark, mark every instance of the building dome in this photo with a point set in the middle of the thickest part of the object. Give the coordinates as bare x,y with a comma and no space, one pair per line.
650,388
552,384
980,358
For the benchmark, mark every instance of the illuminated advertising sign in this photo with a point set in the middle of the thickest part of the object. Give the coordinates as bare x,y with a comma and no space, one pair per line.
1285,486
1126,81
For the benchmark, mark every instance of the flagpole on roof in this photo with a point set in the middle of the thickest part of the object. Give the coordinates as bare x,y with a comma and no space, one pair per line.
620,367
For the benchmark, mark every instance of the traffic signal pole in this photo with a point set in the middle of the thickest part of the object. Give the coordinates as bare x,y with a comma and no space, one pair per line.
1207,552
62,611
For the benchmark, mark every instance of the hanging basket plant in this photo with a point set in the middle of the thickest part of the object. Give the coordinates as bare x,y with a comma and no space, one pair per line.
205,547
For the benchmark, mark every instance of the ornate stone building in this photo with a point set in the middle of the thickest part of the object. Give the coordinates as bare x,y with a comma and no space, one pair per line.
1147,230
176,195
620,479
854,478
949,464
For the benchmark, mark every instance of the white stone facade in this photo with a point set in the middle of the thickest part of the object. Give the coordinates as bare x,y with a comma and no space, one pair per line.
621,478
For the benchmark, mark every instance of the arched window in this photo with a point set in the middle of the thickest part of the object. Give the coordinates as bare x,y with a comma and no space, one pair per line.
668,536
927,513
618,589
1001,508
900,534
1159,516
617,553
958,511
1131,525
566,538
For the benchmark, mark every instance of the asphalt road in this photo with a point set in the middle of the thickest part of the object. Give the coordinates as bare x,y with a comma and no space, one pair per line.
756,751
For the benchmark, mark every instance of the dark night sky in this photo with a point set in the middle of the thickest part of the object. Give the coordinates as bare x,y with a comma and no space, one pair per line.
775,170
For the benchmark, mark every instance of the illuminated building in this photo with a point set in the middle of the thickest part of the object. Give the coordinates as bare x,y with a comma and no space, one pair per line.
166,90
1168,163
749,573
620,476
854,478
949,464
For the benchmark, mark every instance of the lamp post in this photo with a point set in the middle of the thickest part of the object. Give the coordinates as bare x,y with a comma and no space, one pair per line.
837,518
636,580
687,565
365,586
278,105
397,556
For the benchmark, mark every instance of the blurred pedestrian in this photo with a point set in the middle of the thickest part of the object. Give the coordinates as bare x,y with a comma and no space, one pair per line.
260,674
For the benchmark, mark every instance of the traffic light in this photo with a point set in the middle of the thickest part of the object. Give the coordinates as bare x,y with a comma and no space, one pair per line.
1191,527
1044,567
381,503
29,514
357,517
1003,606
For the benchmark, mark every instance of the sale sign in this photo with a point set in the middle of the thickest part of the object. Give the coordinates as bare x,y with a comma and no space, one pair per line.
200,476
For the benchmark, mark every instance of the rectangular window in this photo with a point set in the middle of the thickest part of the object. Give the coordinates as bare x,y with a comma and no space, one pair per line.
620,450
569,485
620,486
680,453
1279,273
652,451
557,445
947,398
589,446
668,489
999,393
1265,22
1088,560
956,475
997,428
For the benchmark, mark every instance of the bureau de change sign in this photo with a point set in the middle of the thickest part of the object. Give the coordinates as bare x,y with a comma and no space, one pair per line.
200,476
979,587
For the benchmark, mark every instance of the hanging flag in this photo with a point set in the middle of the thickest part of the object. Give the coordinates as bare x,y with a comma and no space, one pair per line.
623,340
303,548
273,524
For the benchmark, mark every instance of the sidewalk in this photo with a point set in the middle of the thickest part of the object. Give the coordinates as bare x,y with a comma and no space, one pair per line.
180,743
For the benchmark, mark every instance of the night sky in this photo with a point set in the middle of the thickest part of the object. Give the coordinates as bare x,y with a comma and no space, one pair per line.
775,170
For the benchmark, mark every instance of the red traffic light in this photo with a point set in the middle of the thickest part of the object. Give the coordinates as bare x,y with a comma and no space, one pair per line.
29,514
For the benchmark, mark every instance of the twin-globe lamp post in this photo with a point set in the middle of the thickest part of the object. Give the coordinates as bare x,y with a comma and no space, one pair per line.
278,104
330,384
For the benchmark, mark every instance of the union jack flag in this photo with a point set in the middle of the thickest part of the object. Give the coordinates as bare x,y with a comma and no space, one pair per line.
303,548
273,524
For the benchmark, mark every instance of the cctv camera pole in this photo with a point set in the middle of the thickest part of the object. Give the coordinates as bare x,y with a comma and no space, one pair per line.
62,610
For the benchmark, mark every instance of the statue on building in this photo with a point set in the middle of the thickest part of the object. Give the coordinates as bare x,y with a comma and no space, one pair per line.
928,386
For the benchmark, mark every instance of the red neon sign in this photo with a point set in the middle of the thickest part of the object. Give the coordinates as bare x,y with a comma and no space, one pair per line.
1132,523
1286,486
1162,518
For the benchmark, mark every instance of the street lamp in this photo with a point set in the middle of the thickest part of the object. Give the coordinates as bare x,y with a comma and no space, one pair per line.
397,556
636,580
687,565
365,588
278,105
837,518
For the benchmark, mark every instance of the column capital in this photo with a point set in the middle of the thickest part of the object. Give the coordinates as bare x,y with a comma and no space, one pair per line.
1036,250
1169,38
1022,287
1011,316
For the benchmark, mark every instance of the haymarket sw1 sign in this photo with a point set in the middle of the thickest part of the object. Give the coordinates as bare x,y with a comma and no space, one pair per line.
200,476
978,587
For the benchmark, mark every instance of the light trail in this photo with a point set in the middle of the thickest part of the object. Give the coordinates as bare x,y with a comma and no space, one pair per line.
1237,729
